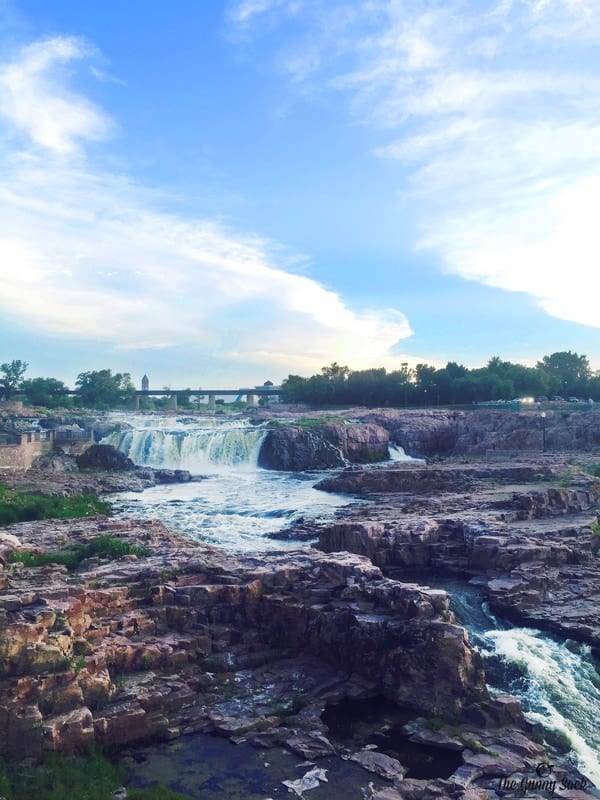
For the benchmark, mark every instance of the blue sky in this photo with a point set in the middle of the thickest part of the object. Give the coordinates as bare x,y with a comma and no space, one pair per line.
225,192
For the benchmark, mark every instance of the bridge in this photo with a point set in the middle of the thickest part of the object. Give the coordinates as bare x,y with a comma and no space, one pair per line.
251,395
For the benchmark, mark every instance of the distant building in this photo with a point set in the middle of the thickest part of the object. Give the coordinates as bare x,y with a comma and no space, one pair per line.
266,399
145,384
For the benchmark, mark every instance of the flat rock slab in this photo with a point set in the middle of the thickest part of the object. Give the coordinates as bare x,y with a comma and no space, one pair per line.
382,765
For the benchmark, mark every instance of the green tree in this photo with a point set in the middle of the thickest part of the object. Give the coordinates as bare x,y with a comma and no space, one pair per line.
102,389
11,376
594,387
335,372
426,384
47,392
568,372
294,389
366,387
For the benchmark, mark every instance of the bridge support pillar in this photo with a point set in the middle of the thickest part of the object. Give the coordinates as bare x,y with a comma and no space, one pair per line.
211,401
251,400
136,402
173,402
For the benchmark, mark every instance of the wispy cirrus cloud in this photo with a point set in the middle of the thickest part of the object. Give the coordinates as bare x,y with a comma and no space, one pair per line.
87,252
35,100
247,11
492,109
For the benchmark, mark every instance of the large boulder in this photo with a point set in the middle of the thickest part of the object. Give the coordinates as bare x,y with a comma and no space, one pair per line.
323,446
293,448
360,443
104,456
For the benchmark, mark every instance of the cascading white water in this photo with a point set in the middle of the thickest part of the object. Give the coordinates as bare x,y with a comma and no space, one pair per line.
561,691
397,454
235,504
195,445
557,682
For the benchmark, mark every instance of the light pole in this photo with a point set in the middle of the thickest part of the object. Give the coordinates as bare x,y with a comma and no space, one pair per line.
543,416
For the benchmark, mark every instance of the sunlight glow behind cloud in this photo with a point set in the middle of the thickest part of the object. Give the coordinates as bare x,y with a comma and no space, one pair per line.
85,253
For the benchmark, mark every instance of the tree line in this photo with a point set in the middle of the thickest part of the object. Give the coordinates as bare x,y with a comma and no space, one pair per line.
562,374
97,389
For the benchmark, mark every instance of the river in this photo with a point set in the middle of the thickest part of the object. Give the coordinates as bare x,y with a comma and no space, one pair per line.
237,505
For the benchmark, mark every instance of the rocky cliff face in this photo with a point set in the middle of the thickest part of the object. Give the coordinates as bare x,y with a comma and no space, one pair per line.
527,532
121,651
439,432
433,432
323,446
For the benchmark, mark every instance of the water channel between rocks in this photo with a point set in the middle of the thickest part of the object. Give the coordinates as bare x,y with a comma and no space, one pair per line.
238,506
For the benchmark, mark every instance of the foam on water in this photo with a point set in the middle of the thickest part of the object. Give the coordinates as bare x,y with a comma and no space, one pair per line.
561,690
235,504
190,443
397,454
234,509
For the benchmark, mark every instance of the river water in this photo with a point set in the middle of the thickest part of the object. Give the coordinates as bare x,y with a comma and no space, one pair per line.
233,503
556,680
236,505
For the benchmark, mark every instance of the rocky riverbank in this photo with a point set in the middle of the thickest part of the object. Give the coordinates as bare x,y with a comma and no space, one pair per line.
528,532
425,433
314,440
189,639
100,470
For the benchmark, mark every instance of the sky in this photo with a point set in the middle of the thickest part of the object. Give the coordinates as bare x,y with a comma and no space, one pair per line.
219,193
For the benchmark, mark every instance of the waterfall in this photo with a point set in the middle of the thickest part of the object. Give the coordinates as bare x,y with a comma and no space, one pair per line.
556,681
560,688
196,445
397,453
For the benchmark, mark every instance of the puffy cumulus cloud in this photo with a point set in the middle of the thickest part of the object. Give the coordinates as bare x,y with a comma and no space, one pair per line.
493,111
86,253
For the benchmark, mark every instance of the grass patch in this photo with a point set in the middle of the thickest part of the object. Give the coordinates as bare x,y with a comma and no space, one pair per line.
596,528
305,422
104,546
313,422
88,777
476,746
21,507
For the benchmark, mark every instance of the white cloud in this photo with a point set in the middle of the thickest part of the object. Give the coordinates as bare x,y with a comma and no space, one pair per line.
85,253
549,249
494,111
35,100
246,11
106,77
